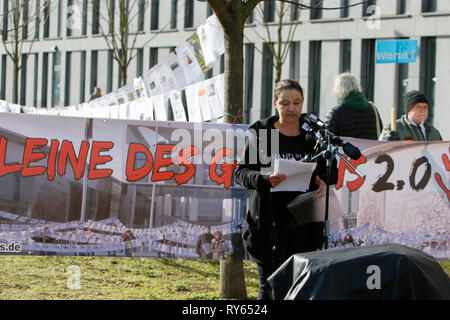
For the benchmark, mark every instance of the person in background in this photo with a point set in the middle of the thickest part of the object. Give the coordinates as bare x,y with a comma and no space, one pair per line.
203,244
96,94
354,116
218,246
412,126
238,252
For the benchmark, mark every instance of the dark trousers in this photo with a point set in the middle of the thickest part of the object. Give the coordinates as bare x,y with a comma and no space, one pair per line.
265,290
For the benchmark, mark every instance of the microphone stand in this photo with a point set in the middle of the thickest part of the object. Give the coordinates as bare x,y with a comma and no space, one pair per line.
329,154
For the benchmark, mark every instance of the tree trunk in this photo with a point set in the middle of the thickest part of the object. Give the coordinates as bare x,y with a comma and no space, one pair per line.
124,71
16,83
232,279
234,75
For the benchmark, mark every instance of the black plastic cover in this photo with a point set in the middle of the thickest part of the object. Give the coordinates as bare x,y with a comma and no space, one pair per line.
382,272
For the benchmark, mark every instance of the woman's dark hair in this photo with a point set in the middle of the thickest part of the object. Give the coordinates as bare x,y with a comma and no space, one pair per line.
286,84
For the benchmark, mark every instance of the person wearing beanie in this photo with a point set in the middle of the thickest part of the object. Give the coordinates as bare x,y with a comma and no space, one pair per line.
355,116
412,126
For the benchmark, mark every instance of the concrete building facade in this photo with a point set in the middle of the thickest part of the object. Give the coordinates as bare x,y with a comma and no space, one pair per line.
69,56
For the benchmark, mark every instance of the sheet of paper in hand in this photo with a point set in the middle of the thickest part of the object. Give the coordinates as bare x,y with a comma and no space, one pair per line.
307,207
298,174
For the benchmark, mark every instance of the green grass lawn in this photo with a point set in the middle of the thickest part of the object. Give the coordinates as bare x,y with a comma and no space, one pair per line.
47,277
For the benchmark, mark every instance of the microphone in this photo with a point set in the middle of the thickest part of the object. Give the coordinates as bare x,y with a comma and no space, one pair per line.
352,151
313,120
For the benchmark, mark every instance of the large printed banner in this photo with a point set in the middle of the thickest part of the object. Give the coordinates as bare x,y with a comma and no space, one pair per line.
111,187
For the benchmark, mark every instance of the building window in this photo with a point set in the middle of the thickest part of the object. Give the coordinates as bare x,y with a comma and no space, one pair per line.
112,15
140,62
109,72
3,87
314,70
250,18
57,79
317,12
368,68
222,63
23,80
141,15
345,10
267,82
154,21
269,11
368,8
44,88
83,77
173,14
249,52
56,72
5,20
209,10
402,87
69,14
35,84
95,16
25,18
401,6
429,5
36,21
84,18
47,20
294,53
94,68
153,56
295,12
345,56
58,27
189,13
428,72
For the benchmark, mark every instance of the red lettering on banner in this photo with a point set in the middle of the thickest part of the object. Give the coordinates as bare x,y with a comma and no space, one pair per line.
137,174
351,185
51,163
182,160
96,159
160,162
438,177
78,164
8,167
227,168
30,156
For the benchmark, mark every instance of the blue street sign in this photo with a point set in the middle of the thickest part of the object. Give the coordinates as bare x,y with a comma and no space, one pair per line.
396,51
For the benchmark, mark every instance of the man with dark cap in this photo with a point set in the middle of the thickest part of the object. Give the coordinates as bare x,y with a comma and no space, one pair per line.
413,126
